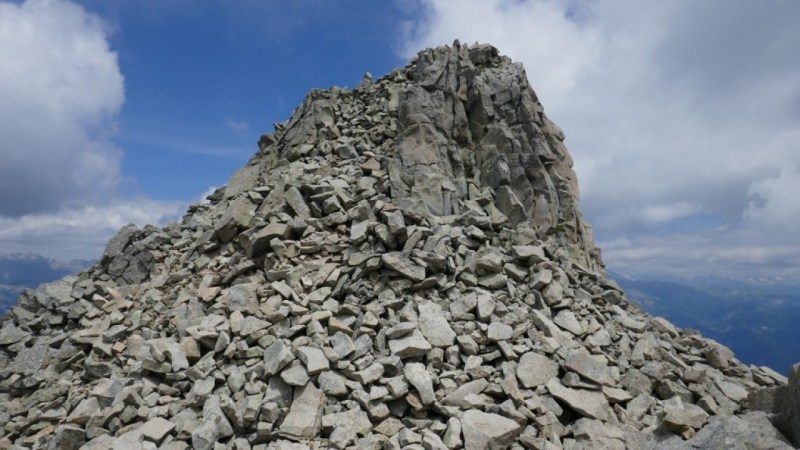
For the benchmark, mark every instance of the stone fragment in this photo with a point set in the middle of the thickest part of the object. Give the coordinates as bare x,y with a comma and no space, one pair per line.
409,346
84,411
731,390
156,429
487,431
566,320
214,426
369,374
332,383
499,331
295,374
67,437
276,357
313,358
355,419
590,404
401,264
434,326
680,417
530,253
418,376
456,398
535,369
590,367
305,415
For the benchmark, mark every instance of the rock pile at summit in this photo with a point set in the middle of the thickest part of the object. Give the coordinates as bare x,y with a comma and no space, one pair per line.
400,266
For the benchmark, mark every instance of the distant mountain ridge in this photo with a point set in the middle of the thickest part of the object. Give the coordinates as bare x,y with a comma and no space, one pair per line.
19,271
757,322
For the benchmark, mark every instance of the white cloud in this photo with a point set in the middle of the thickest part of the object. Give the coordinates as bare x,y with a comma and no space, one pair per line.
237,125
667,213
678,115
527,30
775,203
61,89
82,232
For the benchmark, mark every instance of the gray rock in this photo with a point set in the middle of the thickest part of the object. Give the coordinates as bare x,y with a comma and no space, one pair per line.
410,345
487,431
156,429
566,320
332,383
590,404
535,370
369,374
305,415
355,419
214,426
401,264
298,204
434,326
589,367
67,437
313,358
475,387
418,376
295,374
276,357
750,432
499,331
680,417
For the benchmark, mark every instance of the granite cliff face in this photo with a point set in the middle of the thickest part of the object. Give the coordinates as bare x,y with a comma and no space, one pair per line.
400,266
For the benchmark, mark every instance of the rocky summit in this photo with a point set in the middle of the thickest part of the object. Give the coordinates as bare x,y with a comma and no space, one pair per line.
402,265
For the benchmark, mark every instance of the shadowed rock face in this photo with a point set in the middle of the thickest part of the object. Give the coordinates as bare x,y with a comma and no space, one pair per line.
400,266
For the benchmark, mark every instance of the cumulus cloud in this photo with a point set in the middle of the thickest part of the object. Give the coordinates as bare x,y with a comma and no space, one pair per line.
774,204
82,232
61,89
678,114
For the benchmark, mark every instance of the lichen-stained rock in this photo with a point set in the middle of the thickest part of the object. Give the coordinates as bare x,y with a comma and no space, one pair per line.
400,265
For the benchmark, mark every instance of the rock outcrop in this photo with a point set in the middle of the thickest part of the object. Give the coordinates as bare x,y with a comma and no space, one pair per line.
400,266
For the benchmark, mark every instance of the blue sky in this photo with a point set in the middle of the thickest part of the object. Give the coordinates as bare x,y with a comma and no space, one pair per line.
203,83
683,118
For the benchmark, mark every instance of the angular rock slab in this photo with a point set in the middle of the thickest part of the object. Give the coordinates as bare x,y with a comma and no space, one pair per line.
418,376
592,404
401,264
305,415
535,370
487,431
434,326
409,346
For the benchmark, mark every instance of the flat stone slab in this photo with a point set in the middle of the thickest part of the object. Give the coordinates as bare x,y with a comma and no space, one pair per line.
156,429
592,404
487,431
535,370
